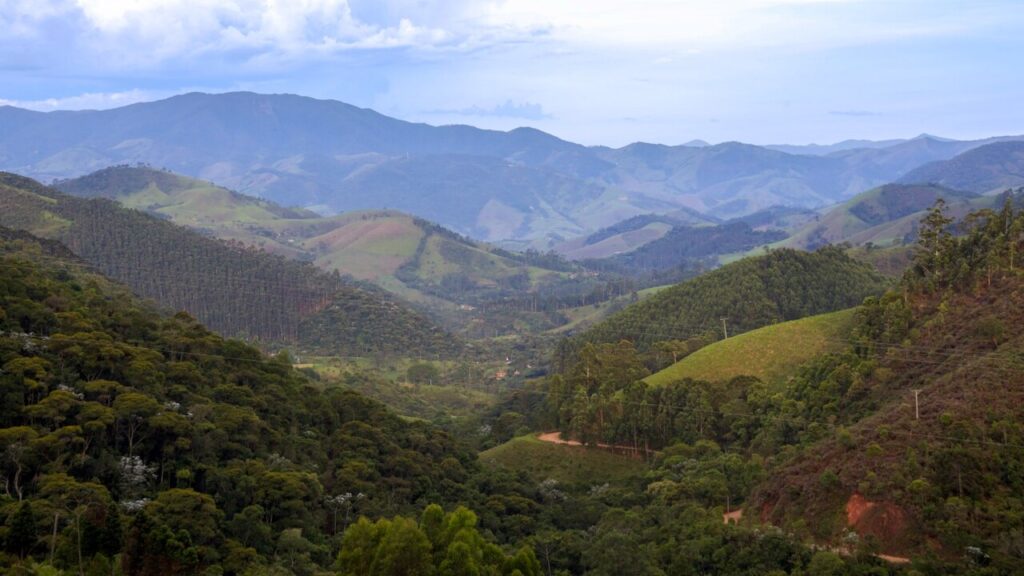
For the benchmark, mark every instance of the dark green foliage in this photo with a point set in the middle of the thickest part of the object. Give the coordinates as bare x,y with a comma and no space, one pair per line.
22,532
110,402
423,373
442,544
234,289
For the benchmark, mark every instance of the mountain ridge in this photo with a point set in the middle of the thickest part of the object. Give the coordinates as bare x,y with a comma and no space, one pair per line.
327,154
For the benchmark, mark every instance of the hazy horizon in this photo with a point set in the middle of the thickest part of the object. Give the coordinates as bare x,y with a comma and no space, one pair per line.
757,71
694,140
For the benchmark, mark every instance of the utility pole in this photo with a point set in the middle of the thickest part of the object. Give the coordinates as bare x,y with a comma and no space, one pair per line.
725,330
917,406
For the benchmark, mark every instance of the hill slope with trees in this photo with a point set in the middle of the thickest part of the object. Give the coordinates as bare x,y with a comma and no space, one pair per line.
472,287
778,286
923,450
140,443
238,290
905,442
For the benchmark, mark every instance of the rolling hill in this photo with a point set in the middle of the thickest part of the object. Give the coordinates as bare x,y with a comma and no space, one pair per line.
404,254
987,169
883,216
771,354
238,290
690,246
523,187
751,293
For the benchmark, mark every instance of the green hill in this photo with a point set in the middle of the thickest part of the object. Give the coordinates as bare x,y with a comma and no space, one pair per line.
573,465
237,290
461,281
141,443
775,287
771,354
883,216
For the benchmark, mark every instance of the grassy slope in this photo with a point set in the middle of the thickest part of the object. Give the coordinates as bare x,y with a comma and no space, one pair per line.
771,353
567,464
368,246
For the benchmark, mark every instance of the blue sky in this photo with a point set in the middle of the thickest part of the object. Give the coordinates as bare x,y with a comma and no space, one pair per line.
592,71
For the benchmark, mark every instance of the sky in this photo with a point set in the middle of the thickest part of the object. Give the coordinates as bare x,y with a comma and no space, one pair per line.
605,72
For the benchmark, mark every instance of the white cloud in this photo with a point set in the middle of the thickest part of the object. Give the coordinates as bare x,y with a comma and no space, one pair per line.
87,101
145,33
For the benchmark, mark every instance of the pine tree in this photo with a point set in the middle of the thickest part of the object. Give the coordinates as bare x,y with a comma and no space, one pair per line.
934,241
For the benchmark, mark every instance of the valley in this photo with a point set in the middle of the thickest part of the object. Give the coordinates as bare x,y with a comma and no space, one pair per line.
444,350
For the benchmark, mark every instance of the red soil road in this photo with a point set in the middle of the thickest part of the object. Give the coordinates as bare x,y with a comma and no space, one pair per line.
556,438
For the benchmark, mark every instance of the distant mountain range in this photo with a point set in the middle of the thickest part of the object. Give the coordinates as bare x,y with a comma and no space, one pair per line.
523,187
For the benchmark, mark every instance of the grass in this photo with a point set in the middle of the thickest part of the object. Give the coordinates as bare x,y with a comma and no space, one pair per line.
367,249
567,464
772,353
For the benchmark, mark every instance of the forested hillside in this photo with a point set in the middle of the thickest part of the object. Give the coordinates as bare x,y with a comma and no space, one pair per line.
142,441
777,286
924,447
686,245
237,290
471,288
903,440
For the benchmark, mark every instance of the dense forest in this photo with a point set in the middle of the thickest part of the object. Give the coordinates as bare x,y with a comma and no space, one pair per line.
140,443
235,289
147,438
